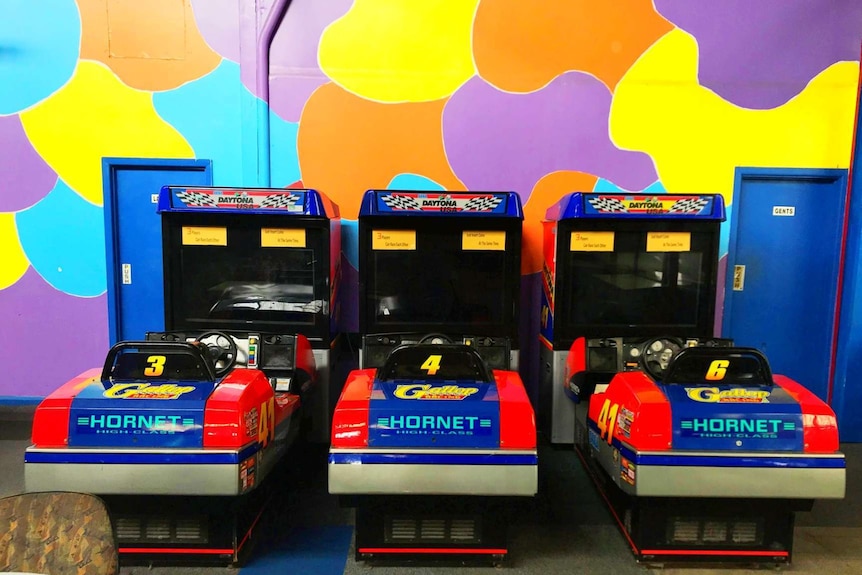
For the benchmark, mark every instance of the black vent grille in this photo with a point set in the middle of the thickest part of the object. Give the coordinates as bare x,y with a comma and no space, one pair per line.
162,529
433,530
712,531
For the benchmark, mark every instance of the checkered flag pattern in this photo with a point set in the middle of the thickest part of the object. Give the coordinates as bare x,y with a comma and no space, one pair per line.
400,202
688,205
198,199
482,204
279,201
605,204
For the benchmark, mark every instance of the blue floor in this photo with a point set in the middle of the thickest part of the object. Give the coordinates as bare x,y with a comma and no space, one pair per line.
321,550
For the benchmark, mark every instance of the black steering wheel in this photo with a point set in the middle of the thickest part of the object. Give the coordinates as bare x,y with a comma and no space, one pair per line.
657,353
222,350
437,338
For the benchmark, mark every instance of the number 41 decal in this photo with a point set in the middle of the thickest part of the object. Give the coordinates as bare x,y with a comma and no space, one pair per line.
608,420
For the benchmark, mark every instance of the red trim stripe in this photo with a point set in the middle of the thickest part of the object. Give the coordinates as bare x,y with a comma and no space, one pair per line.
176,551
722,552
440,550
247,535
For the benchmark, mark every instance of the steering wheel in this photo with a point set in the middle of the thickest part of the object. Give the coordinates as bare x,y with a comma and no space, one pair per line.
437,338
657,353
222,350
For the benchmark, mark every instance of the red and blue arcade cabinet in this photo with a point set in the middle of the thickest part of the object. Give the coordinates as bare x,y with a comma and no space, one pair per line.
435,435
261,264
621,266
702,453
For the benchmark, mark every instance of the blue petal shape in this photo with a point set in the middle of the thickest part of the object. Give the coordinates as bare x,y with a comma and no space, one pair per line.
209,113
39,46
350,241
724,233
606,186
63,236
655,188
414,182
284,158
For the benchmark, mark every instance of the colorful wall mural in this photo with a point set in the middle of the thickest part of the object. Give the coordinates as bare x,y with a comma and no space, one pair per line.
542,97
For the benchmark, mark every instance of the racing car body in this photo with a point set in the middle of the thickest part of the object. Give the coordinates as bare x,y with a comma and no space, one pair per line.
701,451
433,428
176,435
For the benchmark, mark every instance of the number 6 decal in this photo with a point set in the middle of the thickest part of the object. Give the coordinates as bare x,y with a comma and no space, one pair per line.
717,370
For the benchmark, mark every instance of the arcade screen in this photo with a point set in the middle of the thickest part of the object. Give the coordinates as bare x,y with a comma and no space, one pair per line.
245,285
633,289
440,284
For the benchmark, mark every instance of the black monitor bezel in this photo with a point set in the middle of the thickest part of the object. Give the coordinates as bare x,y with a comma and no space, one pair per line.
508,327
705,237
172,224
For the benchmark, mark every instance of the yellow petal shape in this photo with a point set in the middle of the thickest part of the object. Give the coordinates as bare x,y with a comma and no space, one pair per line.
93,116
14,261
400,51
697,139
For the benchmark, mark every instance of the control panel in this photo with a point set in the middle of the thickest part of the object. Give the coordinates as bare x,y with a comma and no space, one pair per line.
274,354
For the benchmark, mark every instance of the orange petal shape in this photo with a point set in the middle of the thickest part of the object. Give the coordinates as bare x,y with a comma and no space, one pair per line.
348,145
521,46
545,193
153,45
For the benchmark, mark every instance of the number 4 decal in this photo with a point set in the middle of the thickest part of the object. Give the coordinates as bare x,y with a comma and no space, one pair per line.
608,420
432,364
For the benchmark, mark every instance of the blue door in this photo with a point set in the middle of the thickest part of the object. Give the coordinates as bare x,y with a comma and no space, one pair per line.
133,233
782,269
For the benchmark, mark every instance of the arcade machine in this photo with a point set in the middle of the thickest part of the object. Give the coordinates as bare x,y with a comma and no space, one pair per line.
702,453
434,433
261,264
178,433
607,273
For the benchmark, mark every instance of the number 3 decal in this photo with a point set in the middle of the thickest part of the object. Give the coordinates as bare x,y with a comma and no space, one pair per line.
157,366
608,420
432,364
717,370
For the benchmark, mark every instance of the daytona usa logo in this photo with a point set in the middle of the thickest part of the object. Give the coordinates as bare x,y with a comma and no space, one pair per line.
441,202
261,199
